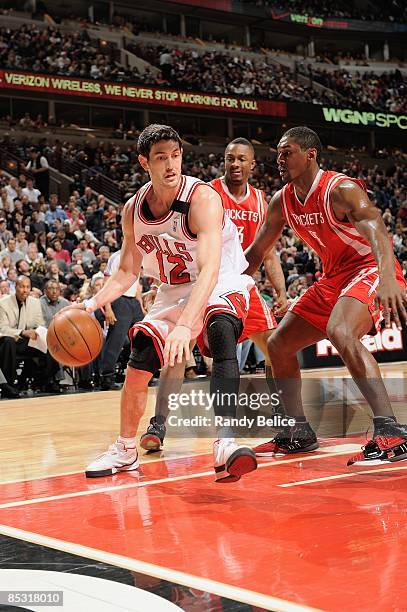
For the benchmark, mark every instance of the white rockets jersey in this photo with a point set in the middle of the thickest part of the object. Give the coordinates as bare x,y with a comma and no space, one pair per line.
168,247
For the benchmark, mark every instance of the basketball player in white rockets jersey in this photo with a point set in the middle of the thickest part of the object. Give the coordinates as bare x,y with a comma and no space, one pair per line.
174,226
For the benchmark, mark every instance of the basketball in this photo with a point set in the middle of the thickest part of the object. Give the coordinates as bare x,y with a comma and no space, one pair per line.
74,338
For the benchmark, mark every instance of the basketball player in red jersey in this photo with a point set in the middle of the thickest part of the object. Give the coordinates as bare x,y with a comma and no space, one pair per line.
362,281
246,207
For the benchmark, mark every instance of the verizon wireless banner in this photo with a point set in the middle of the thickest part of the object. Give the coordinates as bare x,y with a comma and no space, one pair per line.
139,94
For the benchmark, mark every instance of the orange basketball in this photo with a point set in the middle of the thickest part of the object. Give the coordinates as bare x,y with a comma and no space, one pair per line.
74,338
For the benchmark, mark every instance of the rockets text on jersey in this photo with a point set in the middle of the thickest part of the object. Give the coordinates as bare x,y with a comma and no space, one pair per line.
248,214
338,244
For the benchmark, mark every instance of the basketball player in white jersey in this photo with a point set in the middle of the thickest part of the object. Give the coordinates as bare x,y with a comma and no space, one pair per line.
174,227
246,206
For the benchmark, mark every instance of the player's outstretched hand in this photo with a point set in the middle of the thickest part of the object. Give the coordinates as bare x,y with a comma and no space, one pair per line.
177,345
280,304
393,298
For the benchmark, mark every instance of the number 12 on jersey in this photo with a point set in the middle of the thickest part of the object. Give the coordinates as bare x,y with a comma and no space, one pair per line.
177,274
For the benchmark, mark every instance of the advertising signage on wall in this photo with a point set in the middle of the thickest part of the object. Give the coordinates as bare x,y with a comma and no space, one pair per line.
346,117
389,345
13,80
369,118
315,21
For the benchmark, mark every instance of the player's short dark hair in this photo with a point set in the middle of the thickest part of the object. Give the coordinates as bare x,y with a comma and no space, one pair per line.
306,138
241,141
155,133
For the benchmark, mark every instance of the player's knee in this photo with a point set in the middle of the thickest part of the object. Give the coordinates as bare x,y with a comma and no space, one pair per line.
144,356
275,345
223,333
341,336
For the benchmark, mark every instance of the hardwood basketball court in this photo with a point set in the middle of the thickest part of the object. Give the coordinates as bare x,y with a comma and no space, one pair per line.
303,532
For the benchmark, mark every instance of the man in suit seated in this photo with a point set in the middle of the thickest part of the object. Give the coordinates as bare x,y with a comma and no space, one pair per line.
20,315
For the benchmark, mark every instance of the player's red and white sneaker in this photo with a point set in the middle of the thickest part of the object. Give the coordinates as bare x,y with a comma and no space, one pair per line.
381,450
267,449
231,461
299,439
117,458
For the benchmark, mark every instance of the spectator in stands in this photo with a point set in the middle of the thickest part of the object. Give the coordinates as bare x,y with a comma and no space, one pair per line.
23,269
6,203
54,273
52,302
12,278
21,242
38,165
4,288
60,254
86,199
31,192
20,315
37,226
85,254
32,255
77,277
103,257
54,213
11,251
5,234
12,189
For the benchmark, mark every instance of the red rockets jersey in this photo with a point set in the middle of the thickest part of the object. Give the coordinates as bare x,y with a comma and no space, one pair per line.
248,215
338,244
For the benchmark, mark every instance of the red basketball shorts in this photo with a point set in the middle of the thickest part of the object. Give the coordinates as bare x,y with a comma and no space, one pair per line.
260,317
317,303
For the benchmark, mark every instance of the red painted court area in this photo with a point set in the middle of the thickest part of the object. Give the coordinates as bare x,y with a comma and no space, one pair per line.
306,530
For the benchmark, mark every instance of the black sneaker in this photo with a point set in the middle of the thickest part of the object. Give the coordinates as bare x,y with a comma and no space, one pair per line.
8,391
298,439
153,439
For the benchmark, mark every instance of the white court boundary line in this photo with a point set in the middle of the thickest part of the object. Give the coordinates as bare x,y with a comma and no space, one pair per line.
62,474
190,580
145,483
346,475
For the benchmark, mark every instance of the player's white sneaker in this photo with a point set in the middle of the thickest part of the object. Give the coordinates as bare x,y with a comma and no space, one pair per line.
231,461
117,458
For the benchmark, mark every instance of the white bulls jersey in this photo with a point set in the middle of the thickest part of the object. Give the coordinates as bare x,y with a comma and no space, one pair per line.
168,247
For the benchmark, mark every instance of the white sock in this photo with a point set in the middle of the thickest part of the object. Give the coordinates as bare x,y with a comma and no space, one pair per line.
226,433
128,442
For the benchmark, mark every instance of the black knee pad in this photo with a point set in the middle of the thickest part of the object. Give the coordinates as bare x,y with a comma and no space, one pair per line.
144,355
223,332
